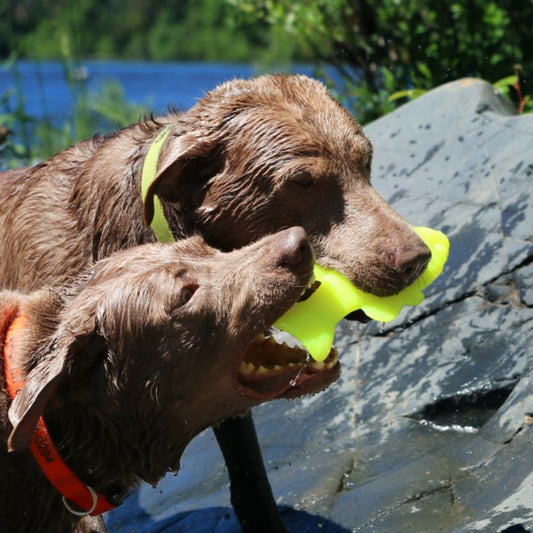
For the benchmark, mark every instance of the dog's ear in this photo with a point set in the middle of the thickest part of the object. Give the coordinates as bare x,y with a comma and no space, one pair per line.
185,165
68,354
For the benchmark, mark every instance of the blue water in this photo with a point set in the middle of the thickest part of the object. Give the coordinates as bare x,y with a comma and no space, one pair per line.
46,93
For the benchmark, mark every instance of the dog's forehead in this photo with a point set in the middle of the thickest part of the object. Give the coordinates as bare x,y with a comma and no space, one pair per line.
147,262
314,126
182,260
191,251
317,142
295,95
278,117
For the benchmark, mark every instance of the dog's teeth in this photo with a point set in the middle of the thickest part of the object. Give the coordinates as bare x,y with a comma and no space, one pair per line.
247,368
278,367
310,289
262,369
331,363
318,365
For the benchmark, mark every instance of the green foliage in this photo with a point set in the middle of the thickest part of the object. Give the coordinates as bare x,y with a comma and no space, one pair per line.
11,149
127,29
384,51
514,87
200,30
382,47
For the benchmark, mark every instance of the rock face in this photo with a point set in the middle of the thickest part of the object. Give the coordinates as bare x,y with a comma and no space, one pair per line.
429,427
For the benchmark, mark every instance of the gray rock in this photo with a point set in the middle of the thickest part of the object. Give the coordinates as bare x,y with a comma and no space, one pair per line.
429,427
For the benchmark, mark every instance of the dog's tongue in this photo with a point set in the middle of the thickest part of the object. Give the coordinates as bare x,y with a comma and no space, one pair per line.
313,321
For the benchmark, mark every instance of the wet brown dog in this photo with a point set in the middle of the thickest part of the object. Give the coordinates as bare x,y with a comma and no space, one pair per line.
252,157
174,326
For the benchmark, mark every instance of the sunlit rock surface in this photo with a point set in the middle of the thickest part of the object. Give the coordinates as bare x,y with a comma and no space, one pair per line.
429,427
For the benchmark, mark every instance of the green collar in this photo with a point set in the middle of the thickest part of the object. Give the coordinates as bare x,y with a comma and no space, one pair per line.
159,223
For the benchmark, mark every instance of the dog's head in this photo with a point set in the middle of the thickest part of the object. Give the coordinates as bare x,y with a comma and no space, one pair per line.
165,340
253,157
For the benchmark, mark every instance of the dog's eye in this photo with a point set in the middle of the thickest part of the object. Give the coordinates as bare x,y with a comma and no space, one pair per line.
186,294
303,180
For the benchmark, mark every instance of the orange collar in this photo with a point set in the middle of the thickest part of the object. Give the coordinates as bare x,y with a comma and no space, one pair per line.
42,446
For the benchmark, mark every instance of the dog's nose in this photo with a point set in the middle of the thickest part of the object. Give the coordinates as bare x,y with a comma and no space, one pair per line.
294,248
411,262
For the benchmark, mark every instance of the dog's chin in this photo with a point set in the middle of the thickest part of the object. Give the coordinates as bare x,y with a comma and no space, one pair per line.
270,369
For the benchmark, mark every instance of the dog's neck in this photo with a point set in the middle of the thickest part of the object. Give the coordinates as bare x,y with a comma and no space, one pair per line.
42,446
108,452
112,455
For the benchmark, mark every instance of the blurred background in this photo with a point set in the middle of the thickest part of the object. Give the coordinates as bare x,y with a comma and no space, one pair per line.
72,68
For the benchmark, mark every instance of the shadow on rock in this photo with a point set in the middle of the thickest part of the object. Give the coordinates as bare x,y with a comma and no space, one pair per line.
216,519
519,528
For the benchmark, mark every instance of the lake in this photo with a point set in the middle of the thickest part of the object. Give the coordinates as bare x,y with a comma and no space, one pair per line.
47,94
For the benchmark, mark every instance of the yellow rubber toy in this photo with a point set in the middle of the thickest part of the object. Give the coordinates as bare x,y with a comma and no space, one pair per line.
313,321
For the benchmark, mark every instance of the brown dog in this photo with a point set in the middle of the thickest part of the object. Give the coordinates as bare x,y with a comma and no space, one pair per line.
251,158
178,328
